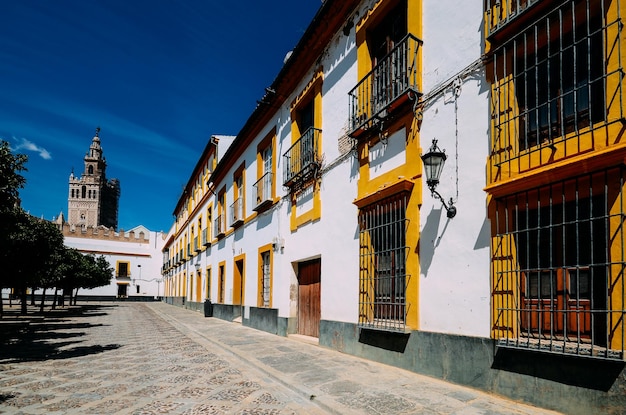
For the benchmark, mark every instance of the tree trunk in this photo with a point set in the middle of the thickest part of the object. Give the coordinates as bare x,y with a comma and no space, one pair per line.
43,299
1,304
24,300
32,296
54,299
76,296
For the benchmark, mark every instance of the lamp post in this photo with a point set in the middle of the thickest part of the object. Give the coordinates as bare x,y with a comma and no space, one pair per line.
434,160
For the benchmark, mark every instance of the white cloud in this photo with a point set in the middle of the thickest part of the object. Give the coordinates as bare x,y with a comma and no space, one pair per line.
24,144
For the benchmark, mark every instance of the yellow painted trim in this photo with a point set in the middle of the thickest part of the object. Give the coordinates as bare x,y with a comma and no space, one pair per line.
261,250
313,214
313,91
208,283
404,178
241,289
221,282
411,170
240,192
269,140
117,267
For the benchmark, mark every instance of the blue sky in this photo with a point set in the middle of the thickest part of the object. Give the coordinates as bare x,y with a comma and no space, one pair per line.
158,76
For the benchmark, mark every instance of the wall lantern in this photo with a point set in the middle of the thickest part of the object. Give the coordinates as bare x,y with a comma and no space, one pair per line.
434,161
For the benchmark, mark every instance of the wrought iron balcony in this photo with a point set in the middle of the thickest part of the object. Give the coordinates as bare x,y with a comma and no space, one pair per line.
263,191
236,212
499,13
392,81
220,226
196,245
206,240
302,159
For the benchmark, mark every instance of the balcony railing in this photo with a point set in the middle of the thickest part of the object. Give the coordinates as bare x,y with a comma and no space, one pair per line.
220,226
236,212
206,239
122,275
263,191
302,159
502,12
196,245
387,86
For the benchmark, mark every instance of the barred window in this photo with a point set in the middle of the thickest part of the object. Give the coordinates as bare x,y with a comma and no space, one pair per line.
558,267
555,77
265,279
382,268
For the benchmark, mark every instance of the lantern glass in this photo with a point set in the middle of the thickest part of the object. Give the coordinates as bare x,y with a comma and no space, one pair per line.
433,166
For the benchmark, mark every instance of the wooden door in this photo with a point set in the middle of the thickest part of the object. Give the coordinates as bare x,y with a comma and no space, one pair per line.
309,306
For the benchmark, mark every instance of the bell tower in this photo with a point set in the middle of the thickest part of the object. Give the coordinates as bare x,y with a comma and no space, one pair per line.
93,200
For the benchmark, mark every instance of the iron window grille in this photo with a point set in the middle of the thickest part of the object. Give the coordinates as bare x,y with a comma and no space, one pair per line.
551,81
558,267
382,265
502,12
265,289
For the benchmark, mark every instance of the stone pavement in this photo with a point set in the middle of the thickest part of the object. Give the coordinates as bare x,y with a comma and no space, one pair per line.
154,358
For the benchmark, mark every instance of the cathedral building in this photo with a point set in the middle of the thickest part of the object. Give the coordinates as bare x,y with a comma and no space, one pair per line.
93,200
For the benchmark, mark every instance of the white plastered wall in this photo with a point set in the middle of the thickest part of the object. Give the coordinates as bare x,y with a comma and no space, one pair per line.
454,253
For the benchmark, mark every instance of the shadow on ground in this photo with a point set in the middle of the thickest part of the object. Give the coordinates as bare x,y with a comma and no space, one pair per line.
55,334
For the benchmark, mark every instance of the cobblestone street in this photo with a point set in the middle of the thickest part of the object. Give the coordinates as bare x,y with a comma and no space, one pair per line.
152,358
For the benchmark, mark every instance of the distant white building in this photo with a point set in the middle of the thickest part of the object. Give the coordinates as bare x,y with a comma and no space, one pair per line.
134,255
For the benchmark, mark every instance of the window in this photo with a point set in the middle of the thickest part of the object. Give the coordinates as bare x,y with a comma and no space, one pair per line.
550,80
388,66
265,278
558,257
123,270
221,284
220,220
90,169
383,279
301,161
207,231
236,209
83,192
559,82
264,186
382,40
208,283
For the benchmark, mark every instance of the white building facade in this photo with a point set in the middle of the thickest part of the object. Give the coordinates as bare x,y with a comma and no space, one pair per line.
319,218
134,255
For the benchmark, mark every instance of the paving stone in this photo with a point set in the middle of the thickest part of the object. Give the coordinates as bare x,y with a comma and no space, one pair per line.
152,358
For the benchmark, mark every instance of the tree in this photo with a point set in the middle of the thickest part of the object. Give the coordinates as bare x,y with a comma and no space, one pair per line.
33,250
11,215
11,181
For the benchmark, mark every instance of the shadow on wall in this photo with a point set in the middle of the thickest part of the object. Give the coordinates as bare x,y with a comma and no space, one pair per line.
484,236
578,371
429,240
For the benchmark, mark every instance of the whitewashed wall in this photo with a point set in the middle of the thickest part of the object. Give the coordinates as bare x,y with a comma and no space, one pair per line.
148,255
454,277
